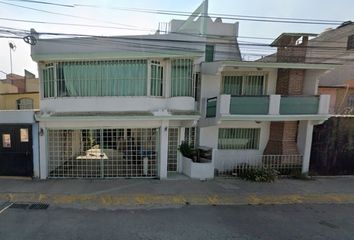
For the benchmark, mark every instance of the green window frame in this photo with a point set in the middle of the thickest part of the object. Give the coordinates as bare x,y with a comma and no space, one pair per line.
250,84
239,138
209,53
182,77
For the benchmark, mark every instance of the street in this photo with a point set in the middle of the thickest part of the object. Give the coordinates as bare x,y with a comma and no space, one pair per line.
298,221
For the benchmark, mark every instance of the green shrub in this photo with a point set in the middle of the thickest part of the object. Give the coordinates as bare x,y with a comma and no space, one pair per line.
259,174
187,151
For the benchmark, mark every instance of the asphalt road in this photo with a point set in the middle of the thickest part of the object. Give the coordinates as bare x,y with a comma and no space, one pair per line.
321,221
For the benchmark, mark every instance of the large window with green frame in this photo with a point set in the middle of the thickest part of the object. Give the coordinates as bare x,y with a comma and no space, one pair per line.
239,138
95,78
181,77
244,84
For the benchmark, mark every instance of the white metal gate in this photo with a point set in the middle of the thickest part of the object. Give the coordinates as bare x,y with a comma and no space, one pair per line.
172,149
103,153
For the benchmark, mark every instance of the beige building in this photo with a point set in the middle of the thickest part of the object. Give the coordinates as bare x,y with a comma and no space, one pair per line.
19,92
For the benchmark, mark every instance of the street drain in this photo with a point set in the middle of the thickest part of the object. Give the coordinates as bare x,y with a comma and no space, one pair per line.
39,206
19,206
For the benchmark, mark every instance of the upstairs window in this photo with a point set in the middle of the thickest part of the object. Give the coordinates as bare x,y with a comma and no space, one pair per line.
95,78
350,43
239,85
182,77
209,53
24,103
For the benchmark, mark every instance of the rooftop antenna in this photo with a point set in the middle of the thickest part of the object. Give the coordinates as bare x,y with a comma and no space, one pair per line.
12,48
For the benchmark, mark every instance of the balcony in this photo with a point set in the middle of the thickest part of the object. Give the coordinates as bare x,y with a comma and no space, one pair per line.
266,108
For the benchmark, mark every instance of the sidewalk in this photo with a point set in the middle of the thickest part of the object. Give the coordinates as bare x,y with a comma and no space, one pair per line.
137,193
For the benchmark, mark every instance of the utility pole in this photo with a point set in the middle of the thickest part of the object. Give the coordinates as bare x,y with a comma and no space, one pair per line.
12,48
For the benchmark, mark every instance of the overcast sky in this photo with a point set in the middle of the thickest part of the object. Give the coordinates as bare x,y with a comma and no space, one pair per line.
145,23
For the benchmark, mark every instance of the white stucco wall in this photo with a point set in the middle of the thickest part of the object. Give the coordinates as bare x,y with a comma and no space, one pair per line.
311,81
116,104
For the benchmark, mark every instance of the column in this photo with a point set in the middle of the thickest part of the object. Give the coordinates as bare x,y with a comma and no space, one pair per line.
163,150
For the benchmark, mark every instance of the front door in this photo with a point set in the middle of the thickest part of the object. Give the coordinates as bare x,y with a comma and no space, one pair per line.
16,154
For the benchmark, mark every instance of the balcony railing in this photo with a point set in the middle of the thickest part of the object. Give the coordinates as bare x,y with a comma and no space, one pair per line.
253,105
284,164
225,105
290,105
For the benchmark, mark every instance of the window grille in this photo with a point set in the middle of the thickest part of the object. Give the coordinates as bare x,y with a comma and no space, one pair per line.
156,77
239,138
351,100
350,43
182,77
190,136
96,78
24,103
244,85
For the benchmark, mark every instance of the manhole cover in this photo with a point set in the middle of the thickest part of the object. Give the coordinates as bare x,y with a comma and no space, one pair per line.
39,206
19,205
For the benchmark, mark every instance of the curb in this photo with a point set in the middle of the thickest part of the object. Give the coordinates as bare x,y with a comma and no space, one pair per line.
146,200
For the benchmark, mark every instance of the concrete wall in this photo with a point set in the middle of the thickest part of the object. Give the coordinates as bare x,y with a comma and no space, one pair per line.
311,81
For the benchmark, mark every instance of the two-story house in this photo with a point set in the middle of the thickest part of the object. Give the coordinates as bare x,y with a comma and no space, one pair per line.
19,97
120,106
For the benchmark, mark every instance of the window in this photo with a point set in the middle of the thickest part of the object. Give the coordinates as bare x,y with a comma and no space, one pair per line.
351,100
156,79
350,43
6,140
209,53
244,84
181,77
24,134
239,138
190,136
95,78
24,103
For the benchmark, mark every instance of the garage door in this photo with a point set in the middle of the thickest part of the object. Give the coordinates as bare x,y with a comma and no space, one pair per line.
103,153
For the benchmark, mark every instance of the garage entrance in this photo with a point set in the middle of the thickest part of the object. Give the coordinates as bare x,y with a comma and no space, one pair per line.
16,153
103,153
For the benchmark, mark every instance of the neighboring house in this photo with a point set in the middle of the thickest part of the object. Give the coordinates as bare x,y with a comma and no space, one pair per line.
333,146
121,106
19,92
19,97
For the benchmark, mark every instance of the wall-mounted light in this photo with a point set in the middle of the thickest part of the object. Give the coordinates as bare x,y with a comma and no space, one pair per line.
166,128
41,132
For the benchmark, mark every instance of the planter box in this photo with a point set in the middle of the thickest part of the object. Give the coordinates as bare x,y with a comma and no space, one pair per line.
197,170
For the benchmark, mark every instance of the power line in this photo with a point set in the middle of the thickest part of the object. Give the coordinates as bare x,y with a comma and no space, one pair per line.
271,19
63,14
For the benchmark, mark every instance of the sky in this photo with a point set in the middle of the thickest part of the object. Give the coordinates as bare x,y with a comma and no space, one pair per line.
147,23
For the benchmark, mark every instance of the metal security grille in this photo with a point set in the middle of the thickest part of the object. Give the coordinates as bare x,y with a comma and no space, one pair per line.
182,77
103,153
247,84
239,138
190,136
96,78
156,76
172,149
